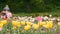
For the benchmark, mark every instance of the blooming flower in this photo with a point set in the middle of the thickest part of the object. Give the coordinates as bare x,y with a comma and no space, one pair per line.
28,23
1,25
38,18
18,24
48,25
58,23
41,23
22,22
14,23
27,27
4,22
35,26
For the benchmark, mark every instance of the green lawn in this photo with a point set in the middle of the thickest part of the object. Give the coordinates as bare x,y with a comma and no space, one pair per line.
36,14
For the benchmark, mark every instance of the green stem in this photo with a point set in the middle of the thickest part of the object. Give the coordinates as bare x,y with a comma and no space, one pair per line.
14,32
47,31
18,30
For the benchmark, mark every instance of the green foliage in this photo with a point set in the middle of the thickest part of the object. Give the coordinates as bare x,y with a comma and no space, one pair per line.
29,6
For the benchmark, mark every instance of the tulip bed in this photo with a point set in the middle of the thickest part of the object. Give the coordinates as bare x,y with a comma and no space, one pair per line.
22,27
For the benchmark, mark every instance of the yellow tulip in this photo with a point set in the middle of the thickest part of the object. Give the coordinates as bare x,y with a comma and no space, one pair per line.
58,23
35,26
4,22
22,22
27,27
48,25
41,23
1,25
18,24
32,23
51,25
50,22
28,23
14,23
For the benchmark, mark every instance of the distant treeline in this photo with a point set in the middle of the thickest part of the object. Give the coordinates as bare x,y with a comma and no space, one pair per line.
30,6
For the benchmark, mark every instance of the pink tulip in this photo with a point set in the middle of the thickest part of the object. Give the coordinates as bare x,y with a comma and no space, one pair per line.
38,18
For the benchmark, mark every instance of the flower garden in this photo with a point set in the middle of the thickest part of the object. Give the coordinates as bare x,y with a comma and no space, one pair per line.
30,17
22,27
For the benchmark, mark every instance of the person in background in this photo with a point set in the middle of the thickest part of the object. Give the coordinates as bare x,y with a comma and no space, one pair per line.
6,8
8,14
3,15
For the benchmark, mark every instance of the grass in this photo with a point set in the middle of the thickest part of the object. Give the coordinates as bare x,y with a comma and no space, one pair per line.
36,14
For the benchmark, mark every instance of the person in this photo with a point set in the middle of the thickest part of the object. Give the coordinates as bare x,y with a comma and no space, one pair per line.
8,14
3,15
6,8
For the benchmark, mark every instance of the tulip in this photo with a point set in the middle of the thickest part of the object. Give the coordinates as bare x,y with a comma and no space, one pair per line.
48,25
22,22
14,23
41,23
27,27
4,22
28,23
35,26
58,23
1,25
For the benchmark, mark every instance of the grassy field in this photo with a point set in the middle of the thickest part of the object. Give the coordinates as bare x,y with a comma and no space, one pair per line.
36,14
